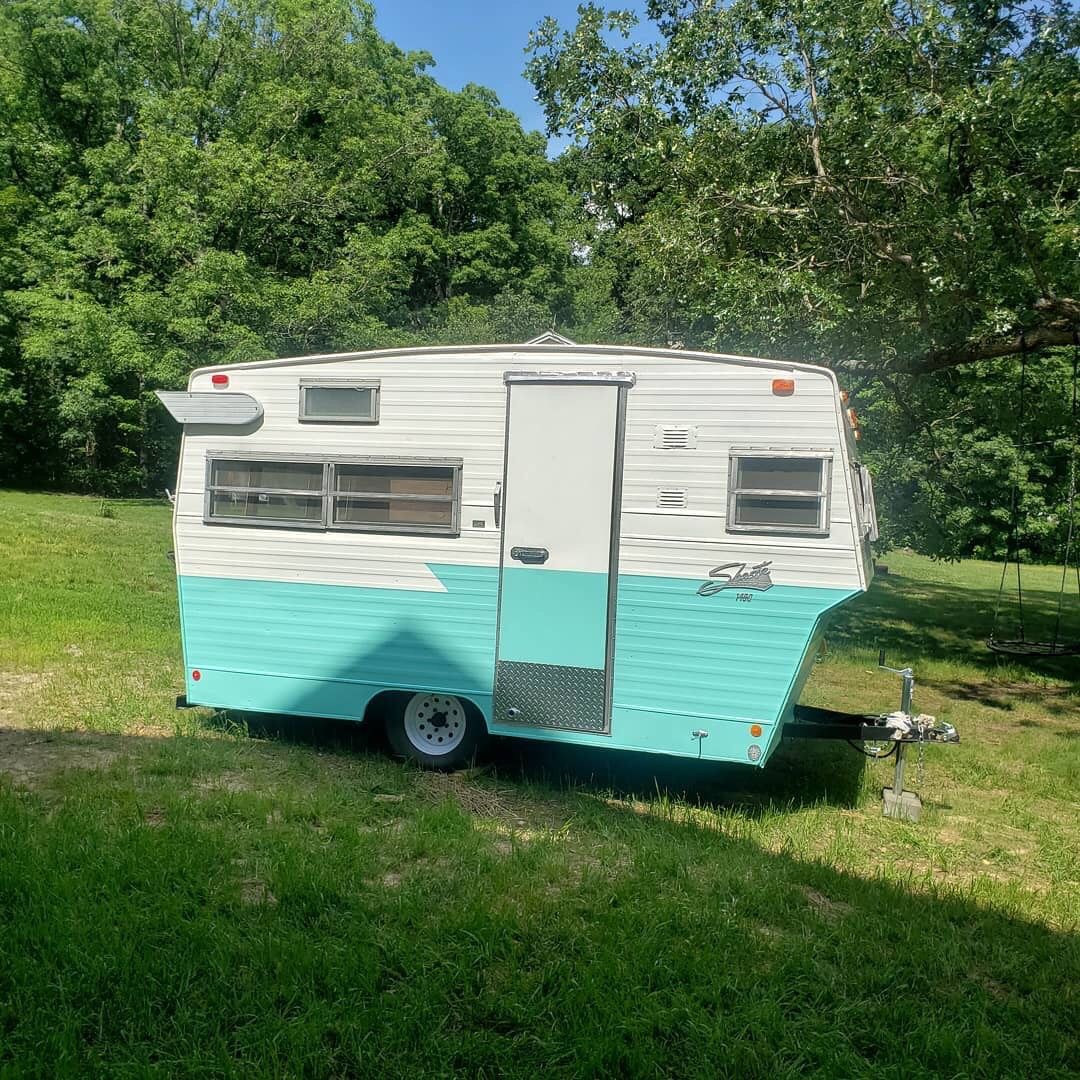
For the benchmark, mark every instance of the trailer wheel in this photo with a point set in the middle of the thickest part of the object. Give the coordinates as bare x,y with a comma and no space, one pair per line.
438,731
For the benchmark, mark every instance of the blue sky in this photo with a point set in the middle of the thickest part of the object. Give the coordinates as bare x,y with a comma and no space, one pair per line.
479,41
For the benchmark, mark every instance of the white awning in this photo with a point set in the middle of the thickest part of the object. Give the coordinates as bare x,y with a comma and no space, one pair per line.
213,407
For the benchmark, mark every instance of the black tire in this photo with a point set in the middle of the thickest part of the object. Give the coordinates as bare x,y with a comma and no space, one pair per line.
437,731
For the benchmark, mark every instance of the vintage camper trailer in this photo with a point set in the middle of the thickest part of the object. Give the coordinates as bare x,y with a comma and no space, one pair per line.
607,546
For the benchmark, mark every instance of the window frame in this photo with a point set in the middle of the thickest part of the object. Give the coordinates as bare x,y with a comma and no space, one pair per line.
210,488
823,494
327,492
863,484
339,384
453,529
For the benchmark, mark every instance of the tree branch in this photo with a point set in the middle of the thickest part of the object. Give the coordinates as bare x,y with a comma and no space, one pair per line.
1061,331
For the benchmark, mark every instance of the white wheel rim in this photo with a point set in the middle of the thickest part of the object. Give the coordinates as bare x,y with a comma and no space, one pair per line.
434,723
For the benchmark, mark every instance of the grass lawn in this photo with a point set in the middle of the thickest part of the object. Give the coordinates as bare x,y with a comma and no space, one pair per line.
192,894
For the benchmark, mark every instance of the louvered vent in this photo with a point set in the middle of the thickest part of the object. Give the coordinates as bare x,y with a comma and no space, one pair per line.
675,437
671,498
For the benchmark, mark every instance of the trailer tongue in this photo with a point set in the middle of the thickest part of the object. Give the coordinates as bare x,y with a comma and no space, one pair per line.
886,734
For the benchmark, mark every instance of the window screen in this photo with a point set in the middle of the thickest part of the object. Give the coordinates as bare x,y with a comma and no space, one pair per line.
265,492
420,498
339,401
777,492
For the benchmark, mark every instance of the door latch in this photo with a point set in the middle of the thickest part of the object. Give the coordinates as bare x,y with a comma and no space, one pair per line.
529,554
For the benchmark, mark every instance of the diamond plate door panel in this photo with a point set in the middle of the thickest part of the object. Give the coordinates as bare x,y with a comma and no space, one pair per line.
551,696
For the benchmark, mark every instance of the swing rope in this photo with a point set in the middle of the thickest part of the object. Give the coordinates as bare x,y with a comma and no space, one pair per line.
1021,646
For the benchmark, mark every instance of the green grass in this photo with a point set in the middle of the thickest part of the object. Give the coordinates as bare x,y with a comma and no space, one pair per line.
189,894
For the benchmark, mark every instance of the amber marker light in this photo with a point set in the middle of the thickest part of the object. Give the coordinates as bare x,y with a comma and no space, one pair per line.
755,730
783,387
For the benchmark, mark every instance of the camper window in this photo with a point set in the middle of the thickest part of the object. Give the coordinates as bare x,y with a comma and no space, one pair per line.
339,401
384,496
261,492
779,492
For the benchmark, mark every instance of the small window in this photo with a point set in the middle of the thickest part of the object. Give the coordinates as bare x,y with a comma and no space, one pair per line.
779,492
264,492
390,497
339,401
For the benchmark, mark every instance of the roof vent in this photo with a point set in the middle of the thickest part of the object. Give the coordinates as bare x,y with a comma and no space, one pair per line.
549,337
671,498
675,437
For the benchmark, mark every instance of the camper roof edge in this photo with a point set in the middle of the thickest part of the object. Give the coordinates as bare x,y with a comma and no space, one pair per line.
527,350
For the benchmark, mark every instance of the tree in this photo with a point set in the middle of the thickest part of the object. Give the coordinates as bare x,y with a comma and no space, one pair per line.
186,183
882,186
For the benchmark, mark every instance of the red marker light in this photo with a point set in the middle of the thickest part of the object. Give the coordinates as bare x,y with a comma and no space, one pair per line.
783,387
196,675
219,380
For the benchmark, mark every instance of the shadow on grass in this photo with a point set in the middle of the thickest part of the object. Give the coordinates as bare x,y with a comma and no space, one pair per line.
655,947
911,619
800,773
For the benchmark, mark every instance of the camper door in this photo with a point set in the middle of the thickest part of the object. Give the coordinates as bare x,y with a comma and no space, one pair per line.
558,572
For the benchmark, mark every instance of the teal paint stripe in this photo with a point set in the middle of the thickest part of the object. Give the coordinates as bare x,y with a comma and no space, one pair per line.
683,661
678,651
553,617
392,637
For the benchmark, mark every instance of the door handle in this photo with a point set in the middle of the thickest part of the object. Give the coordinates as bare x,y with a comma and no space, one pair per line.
497,501
529,554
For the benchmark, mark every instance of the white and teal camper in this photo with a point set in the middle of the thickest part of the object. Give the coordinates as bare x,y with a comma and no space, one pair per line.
606,546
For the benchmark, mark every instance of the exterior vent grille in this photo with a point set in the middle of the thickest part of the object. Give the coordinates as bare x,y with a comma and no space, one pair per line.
671,498
675,437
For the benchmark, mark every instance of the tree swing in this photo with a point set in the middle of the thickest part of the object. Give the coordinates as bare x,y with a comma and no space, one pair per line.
1022,646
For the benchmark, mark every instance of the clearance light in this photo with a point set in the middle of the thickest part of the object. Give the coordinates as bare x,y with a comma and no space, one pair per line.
783,387
196,675
219,380
755,730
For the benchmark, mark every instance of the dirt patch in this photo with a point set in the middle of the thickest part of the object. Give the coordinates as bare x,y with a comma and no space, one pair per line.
232,782
154,818
479,800
829,909
16,685
256,893
396,826
28,758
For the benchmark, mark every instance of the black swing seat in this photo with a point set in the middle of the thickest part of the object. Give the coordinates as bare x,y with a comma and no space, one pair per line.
1034,648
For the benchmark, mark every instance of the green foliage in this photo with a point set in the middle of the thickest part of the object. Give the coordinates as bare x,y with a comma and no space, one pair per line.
947,450
193,184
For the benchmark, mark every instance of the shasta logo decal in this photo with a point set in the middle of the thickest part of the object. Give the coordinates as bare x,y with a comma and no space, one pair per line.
735,575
